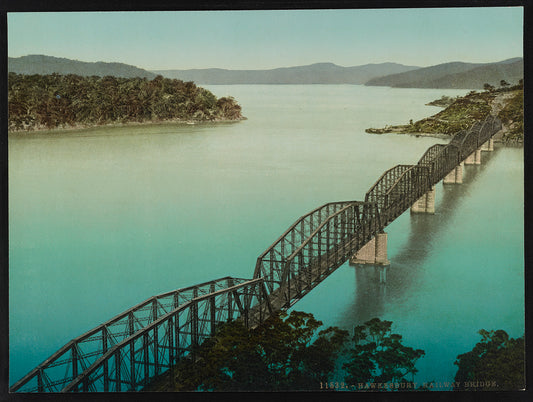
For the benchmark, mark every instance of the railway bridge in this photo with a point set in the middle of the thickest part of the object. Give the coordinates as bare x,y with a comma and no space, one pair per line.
128,351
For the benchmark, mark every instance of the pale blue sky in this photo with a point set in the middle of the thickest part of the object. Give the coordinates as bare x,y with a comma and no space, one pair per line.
269,39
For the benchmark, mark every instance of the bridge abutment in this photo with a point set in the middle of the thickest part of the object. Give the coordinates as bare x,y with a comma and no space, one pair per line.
455,176
373,252
426,203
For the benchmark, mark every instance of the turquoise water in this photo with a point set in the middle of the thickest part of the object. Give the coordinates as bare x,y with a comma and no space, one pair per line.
102,219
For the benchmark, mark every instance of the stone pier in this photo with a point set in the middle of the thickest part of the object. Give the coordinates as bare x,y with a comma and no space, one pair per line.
488,146
455,176
426,203
373,252
474,158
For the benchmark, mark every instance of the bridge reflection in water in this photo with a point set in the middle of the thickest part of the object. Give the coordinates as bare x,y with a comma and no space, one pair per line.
407,264
126,352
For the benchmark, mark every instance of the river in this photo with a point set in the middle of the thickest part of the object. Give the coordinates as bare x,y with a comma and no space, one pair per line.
102,219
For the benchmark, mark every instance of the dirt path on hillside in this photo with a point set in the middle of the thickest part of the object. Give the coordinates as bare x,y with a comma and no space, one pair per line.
499,102
497,105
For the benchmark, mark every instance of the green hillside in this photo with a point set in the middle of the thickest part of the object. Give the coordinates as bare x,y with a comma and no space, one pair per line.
40,64
72,101
455,75
506,103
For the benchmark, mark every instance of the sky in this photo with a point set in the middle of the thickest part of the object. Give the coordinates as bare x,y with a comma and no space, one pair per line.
269,39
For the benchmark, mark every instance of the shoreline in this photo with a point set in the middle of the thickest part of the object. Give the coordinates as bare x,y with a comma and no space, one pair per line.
465,111
82,127
497,138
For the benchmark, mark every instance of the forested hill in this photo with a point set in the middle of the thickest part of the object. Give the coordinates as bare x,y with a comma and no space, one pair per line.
318,73
71,101
456,75
40,64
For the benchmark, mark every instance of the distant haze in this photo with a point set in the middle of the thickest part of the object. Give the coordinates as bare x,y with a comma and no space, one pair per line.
319,73
456,75
446,75
41,64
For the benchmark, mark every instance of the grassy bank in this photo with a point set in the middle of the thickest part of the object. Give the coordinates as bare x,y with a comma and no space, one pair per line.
463,112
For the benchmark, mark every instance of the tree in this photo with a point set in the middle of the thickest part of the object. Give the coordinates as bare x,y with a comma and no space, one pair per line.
228,108
497,362
488,87
284,353
37,101
378,355
504,84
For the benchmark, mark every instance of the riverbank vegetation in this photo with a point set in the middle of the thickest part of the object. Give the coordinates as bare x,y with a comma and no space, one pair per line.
495,363
290,352
512,117
70,101
286,352
443,101
505,102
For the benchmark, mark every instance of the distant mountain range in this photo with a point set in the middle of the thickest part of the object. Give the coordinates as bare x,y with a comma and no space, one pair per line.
447,75
40,64
319,73
456,75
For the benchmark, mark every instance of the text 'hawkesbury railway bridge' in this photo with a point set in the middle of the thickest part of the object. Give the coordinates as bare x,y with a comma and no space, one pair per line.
128,351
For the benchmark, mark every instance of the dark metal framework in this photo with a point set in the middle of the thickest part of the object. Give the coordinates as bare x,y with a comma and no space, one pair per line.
313,247
126,352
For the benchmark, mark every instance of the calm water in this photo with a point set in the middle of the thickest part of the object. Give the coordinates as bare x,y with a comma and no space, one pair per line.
102,219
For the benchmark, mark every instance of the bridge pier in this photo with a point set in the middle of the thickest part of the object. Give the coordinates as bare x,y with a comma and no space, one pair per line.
455,176
426,203
474,158
373,252
488,146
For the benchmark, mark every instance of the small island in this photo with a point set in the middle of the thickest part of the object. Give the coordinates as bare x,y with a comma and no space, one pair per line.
54,101
506,102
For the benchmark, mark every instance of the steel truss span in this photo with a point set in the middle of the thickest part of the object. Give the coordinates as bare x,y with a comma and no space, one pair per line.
128,351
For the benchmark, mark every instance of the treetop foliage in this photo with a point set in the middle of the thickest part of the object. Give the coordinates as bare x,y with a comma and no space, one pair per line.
52,101
290,353
496,359
285,353
378,355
